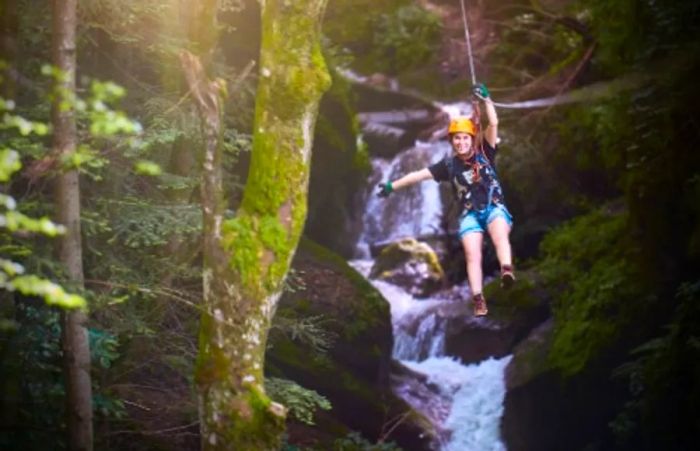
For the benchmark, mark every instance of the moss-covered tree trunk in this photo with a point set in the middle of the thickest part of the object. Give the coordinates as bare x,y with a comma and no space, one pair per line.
247,258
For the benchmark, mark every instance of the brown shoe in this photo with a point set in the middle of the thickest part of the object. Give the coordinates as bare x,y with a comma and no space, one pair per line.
479,305
507,276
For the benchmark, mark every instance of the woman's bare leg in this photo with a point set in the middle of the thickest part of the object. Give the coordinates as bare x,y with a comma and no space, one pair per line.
472,242
499,230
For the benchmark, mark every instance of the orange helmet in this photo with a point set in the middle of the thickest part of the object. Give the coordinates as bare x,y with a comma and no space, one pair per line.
462,124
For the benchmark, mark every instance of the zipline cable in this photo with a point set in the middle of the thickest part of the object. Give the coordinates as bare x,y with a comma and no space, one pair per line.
537,103
469,42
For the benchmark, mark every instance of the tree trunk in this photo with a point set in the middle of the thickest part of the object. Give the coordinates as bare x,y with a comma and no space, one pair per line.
247,258
8,47
75,344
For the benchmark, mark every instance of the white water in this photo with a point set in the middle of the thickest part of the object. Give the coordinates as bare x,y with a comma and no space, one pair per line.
415,212
473,394
477,392
468,405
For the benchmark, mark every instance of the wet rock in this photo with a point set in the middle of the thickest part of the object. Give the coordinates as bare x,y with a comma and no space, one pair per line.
385,140
412,265
414,387
388,132
530,356
354,373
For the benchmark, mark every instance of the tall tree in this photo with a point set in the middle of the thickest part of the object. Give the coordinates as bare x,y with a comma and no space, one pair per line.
8,47
75,344
247,258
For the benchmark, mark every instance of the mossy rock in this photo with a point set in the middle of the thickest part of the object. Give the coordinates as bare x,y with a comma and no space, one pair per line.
512,315
339,168
507,304
354,373
411,264
531,356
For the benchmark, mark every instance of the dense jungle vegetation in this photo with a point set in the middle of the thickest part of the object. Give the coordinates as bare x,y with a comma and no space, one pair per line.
605,192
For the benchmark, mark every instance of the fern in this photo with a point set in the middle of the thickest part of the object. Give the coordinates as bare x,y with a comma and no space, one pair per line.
301,402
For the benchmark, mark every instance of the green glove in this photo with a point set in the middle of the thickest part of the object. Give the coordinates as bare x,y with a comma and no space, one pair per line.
481,91
385,189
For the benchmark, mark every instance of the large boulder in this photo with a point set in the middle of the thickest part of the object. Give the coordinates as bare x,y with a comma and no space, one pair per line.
410,264
544,408
340,166
354,373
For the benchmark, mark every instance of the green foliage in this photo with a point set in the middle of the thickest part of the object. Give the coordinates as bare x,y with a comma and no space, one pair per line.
136,224
12,274
32,373
406,38
103,347
35,369
314,331
301,402
596,289
144,167
53,294
354,441
384,36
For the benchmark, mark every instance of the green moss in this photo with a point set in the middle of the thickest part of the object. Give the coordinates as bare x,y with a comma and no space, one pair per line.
209,363
244,248
597,289
505,304
397,254
323,372
328,131
361,160
255,426
367,314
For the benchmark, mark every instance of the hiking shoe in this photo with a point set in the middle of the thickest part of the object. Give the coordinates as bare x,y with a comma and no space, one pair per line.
479,305
507,276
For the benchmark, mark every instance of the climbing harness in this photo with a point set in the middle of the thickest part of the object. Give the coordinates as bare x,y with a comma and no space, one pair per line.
481,160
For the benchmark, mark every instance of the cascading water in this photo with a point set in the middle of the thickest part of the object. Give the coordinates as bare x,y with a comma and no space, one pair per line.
415,213
464,402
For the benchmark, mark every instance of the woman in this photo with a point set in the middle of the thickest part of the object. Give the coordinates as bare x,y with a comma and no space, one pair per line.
470,170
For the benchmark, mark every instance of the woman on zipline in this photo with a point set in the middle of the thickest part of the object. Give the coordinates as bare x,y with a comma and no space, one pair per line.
470,170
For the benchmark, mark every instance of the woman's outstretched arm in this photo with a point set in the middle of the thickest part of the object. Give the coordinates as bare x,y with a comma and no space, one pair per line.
411,178
407,180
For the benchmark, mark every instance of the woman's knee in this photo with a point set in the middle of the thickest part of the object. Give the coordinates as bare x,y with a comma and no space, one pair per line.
499,230
472,247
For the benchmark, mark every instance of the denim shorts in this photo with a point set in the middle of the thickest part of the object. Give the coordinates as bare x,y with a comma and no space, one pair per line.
477,221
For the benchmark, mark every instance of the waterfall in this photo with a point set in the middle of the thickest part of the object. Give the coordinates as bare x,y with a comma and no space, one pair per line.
476,392
416,212
464,402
